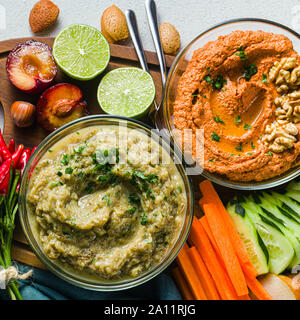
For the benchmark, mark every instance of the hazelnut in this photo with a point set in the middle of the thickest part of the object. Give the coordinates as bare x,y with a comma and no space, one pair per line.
43,15
22,113
170,38
114,25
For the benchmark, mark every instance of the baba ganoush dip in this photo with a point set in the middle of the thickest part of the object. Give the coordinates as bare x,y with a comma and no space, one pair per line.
106,201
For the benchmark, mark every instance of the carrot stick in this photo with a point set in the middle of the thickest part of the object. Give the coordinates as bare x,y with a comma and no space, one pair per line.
245,297
258,290
201,202
182,285
197,211
190,274
229,257
211,195
203,274
207,229
199,238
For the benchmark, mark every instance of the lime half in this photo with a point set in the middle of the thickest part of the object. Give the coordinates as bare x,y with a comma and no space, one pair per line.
126,92
81,51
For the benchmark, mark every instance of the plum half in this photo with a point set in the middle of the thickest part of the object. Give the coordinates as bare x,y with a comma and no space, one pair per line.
30,66
59,105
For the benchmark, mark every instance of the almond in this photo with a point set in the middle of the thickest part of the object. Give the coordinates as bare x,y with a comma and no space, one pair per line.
43,15
170,38
114,25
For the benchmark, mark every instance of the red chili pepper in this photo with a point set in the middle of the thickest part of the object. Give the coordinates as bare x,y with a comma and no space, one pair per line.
4,176
5,185
22,163
16,156
1,158
24,159
5,152
12,146
33,149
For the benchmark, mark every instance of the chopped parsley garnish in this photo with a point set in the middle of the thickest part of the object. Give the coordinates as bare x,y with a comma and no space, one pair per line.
252,145
69,170
80,149
264,78
131,211
50,150
247,126
250,153
215,137
59,173
179,189
218,82
152,178
250,71
239,147
149,194
133,198
238,120
79,175
218,119
140,175
144,219
207,78
211,160
65,160
231,155
269,153
165,198
241,53
141,181
54,184
89,188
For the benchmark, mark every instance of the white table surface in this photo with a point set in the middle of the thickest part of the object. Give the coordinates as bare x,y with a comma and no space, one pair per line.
190,17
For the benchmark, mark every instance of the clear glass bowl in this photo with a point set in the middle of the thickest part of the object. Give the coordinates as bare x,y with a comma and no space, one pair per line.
179,66
66,273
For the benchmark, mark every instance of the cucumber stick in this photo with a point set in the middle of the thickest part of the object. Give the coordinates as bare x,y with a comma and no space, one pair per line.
289,226
280,249
294,185
287,203
254,245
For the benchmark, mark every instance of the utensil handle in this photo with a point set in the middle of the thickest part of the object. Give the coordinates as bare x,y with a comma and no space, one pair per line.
134,33
153,24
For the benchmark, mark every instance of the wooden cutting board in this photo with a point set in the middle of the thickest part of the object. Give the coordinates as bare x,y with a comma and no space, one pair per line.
121,56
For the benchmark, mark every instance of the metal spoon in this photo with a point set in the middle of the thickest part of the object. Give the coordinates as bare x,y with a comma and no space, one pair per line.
151,11
134,33
153,25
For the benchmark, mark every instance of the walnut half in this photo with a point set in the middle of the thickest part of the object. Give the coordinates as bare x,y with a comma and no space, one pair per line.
285,74
280,136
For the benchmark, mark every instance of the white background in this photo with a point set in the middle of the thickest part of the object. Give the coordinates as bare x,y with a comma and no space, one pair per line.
190,17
